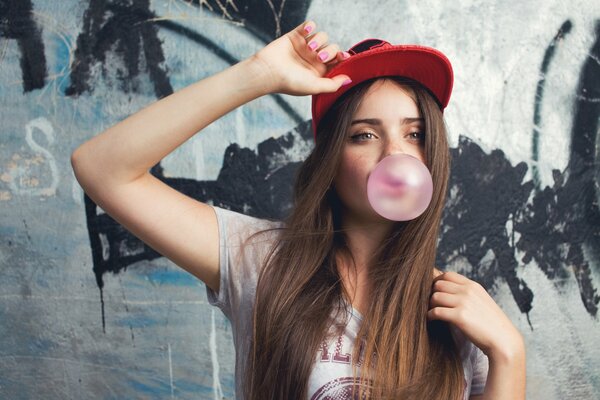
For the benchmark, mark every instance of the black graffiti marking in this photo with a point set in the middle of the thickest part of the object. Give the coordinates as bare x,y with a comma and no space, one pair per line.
107,25
16,22
266,19
557,226
113,247
564,221
539,94
127,27
485,192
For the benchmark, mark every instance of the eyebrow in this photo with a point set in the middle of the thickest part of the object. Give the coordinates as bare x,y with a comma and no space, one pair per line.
376,121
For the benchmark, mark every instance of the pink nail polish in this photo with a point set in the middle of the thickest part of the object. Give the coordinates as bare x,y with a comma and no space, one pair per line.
312,45
345,55
323,55
308,28
347,82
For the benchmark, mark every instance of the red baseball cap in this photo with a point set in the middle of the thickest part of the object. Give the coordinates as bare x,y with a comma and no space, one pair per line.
373,58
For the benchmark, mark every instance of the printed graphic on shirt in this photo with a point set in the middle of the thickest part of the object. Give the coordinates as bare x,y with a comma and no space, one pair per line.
342,389
339,389
337,356
332,375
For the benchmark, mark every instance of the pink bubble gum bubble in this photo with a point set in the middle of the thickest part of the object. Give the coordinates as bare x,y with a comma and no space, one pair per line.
400,187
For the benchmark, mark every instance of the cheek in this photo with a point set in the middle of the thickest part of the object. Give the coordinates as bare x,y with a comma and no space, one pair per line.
421,156
352,173
351,166
418,152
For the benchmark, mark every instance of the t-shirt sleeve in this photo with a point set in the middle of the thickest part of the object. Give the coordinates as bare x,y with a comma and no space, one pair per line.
239,265
480,364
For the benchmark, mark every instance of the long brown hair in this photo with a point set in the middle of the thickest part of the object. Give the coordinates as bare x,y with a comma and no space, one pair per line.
300,293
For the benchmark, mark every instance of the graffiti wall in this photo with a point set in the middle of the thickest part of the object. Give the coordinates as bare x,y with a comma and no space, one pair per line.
89,311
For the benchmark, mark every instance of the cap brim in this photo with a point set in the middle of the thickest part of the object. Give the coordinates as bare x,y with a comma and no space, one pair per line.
426,65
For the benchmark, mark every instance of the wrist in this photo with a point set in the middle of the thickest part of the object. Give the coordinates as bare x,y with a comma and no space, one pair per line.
260,72
509,352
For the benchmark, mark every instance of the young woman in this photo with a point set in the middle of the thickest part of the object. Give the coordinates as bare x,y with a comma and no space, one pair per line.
336,301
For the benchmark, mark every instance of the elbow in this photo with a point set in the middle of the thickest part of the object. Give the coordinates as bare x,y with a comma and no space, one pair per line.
76,162
85,175
75,159
78,165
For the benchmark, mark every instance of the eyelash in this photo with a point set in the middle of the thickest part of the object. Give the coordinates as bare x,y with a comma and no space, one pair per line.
421,137
359,134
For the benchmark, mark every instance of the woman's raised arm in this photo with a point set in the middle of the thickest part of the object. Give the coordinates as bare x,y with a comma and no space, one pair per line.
113,167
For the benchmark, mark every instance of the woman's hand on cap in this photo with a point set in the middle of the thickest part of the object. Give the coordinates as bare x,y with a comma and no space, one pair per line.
296,62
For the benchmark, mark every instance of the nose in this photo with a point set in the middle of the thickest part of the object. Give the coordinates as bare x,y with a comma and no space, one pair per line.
394,146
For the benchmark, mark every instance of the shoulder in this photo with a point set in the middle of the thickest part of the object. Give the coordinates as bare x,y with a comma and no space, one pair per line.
244,239
236,223
245,219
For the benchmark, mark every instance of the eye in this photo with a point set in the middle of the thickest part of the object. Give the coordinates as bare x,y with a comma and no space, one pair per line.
358,136
420,136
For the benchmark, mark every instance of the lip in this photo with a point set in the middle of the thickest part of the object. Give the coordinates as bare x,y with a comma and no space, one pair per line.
394,182
393,187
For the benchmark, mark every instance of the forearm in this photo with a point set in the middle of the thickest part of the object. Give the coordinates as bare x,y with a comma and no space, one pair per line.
506,375
130,148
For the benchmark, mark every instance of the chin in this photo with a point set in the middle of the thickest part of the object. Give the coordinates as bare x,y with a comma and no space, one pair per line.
368,215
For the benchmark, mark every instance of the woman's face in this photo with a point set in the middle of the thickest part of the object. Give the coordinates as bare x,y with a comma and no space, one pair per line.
386,122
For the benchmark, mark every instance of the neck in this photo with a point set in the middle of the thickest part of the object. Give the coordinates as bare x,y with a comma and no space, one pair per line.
362,239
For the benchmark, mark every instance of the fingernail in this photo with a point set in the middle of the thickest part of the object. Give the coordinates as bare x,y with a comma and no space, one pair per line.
308,28
345,55
312,45
323,55
347,82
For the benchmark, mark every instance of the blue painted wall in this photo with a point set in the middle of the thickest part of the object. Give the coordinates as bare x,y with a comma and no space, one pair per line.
89,311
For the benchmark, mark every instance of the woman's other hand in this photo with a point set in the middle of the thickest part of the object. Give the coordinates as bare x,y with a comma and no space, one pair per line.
467,305
296,62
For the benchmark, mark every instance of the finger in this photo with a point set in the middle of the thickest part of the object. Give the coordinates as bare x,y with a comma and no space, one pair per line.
340,56
441,313
454,277
328,85
328,53
458,316
306,28
441,299
442,285
317,41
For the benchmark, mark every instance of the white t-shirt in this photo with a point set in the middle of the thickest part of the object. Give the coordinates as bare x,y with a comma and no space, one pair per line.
331,377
